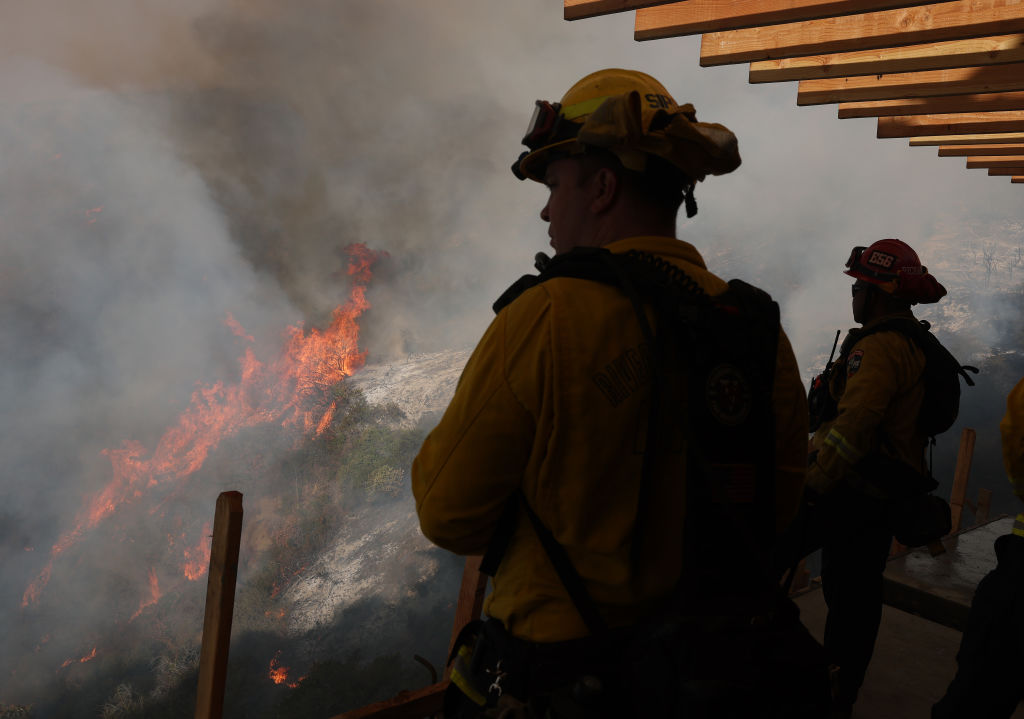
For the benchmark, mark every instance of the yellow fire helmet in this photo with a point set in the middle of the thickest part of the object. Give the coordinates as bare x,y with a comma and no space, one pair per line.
633,116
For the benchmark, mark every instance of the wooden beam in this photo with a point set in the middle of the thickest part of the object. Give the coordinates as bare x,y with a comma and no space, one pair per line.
580,9
471,600
969,139
220,605
961,475
428,701
928,83
1017,180
951,124
932,22
990,50
980,150
692,17
984,506
1005,171
986,102
1007,161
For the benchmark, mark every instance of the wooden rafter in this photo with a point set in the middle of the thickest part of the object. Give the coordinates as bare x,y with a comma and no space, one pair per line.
951,124
976,162
580,9
929,83
1005,171
969,139
692,17
978,51
937,22
986,102
980,150
1017,180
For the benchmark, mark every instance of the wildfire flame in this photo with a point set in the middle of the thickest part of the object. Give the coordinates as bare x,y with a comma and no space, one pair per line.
88,657
286,391
237,328
154,594
279,674
197,558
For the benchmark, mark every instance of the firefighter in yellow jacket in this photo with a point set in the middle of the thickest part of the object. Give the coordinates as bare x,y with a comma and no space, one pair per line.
554,402
989,681
868,448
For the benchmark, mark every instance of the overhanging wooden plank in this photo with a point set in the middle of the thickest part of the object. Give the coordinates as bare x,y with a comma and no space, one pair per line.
1005,171
1017,180
985,102
692,17
933,22
580,9
980,150
928,83
990,50
951,124
1007,161
968,139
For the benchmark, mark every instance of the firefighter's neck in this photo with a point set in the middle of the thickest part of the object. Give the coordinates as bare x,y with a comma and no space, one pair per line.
879,305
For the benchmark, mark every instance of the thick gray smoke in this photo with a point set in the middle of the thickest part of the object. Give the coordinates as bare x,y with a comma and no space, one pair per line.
166,167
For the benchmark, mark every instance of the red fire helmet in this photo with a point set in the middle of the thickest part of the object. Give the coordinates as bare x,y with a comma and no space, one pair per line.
894,267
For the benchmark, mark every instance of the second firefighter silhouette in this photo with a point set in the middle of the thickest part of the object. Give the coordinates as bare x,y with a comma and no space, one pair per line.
872,413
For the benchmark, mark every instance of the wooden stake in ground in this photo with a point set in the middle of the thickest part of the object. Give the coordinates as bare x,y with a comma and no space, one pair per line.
220,605
962,475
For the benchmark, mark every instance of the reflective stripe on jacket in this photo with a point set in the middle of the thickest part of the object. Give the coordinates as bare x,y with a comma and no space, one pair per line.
879,387
554,400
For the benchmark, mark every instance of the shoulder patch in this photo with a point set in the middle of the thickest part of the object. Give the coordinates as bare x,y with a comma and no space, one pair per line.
853,363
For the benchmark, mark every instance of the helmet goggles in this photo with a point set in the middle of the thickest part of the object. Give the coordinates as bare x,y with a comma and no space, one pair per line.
553,124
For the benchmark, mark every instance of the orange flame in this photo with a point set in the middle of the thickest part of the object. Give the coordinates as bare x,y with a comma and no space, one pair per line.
197,558
154,594
235,327
88,657
279,674
291,391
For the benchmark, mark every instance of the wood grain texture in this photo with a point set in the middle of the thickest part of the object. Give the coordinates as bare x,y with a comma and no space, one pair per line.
969,139
691,17
995,161
985,102
956,20
220,605
580,9
928,83
989,50
951,124
980,150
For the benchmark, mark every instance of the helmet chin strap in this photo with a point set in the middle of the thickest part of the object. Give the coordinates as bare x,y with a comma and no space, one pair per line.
690,201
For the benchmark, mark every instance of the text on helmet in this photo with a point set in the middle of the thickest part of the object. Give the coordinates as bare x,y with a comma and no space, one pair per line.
881,259
657,101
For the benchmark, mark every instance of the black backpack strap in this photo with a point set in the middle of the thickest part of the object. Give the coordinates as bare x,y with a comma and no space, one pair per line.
560,560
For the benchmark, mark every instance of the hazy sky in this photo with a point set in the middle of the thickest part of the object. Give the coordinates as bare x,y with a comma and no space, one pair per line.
165,164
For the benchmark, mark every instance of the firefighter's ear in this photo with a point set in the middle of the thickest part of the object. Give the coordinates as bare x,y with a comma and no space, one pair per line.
604,188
